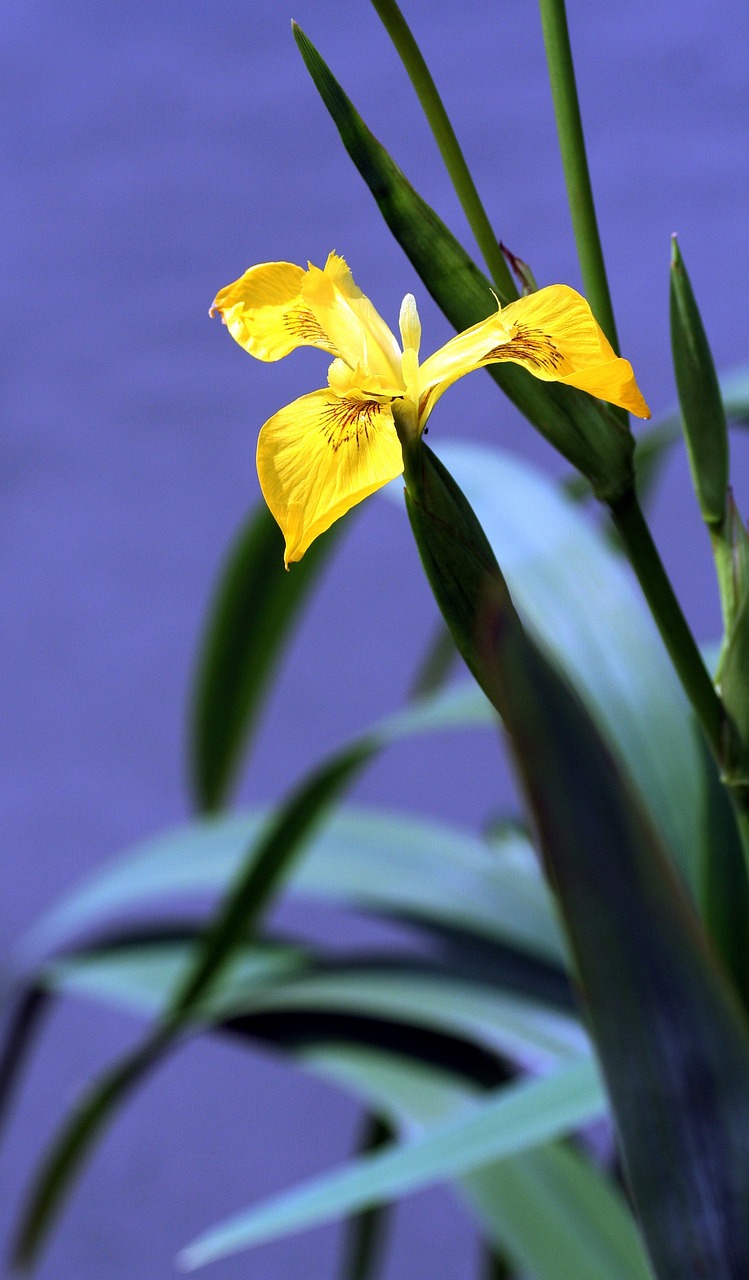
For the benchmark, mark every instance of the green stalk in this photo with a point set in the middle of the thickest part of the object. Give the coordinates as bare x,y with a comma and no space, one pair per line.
740,797
666,610
575,164
444,134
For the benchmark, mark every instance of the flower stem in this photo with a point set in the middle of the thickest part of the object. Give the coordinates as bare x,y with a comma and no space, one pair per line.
666,610
437,118
575,164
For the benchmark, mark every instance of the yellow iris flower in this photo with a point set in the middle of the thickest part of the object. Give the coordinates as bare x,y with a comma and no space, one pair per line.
328,450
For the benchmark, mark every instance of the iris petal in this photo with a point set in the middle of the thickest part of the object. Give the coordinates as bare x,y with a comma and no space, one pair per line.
264,312
320,456
351,322
553,334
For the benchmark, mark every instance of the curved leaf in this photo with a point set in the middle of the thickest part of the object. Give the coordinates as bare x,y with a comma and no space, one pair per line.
580,603
673,1044
550,1209
251,617
516,1118
366,858
523,1031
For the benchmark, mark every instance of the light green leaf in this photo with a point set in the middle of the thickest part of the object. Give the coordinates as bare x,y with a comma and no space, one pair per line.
526,1032
580,603
511,1120
550,1209
380,861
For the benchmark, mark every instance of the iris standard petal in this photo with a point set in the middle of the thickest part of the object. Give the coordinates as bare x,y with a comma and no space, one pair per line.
264,312
347,316
318,457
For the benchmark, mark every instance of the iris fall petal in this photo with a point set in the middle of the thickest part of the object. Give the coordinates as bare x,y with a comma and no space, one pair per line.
320,456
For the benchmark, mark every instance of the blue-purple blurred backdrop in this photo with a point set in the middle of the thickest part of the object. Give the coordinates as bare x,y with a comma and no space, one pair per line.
151,152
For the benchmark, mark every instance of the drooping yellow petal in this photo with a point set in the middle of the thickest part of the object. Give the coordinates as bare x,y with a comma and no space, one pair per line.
318,457
358,331
264,312
553,334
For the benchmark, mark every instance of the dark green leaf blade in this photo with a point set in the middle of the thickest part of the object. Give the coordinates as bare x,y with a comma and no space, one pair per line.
587,435
672,1042
702,410
254,610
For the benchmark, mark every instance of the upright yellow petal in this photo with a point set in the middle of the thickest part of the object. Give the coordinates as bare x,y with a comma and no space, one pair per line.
351,322
265,313
318,457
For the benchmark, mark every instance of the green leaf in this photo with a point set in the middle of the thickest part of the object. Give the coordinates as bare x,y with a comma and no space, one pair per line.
514,1119
588,436
250,619
365,858
364,1241
702,410
520,1030
672,1042
580,603
549,1209
257,879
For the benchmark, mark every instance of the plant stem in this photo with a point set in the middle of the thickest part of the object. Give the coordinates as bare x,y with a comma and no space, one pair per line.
740,797
426,91
575,164
666,610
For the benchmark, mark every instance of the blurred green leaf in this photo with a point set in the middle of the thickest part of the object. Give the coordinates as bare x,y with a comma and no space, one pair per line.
672,1042
365,858
519,1030
249,621
552,1212
364,1240
257,879
513,1119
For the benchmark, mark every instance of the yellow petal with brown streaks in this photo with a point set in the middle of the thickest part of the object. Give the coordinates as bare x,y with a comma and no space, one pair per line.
554,335
265,313
320,456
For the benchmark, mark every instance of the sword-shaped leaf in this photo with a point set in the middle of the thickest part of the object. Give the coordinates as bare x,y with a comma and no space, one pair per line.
671,1039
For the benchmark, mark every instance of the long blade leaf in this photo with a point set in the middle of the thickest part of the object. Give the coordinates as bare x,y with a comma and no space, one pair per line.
518,1118
252,615
672,1042
573,421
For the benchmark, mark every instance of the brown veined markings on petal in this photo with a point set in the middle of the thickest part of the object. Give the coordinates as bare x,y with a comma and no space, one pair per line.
348,420
532,345
301,323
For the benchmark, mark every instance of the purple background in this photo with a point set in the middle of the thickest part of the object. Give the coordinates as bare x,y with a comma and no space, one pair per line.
151,152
